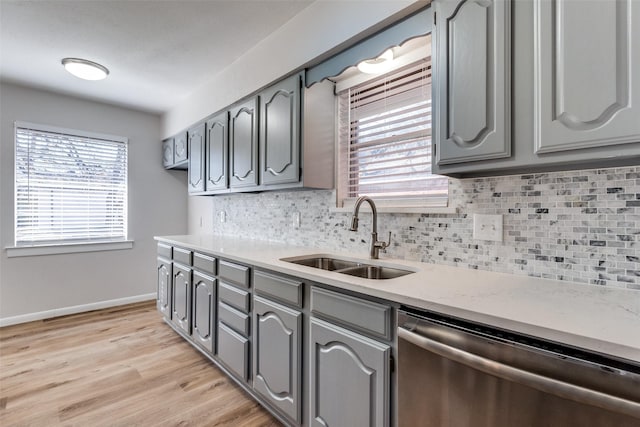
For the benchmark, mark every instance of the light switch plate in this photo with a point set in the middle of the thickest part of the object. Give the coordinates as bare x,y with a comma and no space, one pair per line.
295,220
487,227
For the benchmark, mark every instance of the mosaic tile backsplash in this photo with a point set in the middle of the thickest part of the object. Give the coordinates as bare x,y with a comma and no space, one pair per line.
579,226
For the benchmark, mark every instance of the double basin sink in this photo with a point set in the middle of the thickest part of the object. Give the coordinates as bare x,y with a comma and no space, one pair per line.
352,268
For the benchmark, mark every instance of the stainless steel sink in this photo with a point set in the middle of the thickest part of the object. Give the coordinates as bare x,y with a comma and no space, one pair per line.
352,268
323,263
375,272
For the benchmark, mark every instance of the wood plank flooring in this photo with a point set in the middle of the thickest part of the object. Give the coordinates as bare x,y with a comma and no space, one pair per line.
115,367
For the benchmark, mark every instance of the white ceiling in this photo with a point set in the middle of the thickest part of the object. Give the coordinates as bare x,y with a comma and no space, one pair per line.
157,51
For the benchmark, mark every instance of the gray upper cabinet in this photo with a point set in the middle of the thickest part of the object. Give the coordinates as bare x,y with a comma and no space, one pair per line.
203,311
472,80
587,77
277,357
342,360
181,298
167,152
163,298
217,146
196,174
243,145
574,82
175,152
180,148
280,132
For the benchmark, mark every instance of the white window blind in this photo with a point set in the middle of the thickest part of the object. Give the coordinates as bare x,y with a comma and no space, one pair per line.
385,138
69,187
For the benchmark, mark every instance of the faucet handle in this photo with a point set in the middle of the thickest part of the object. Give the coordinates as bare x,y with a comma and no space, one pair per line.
385,245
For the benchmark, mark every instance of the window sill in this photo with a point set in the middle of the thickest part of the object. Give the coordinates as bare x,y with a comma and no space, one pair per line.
399,209
69,248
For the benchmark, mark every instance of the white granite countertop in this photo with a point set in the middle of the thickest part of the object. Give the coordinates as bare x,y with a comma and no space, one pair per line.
596,318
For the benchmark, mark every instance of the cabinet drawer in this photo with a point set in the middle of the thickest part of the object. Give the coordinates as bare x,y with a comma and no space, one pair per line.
279,288
353,312
204,263
235,273
233,351
183,256
233,318
165,251
233,296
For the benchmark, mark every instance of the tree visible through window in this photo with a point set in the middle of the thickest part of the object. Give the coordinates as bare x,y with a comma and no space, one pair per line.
385,138
70,186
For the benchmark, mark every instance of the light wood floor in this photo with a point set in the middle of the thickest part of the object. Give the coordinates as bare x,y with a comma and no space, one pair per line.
114,367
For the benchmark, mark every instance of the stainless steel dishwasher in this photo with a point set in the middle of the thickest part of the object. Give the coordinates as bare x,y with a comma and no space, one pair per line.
454,373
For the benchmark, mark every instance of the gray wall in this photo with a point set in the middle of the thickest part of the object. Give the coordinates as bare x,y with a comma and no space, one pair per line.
157,206
578,226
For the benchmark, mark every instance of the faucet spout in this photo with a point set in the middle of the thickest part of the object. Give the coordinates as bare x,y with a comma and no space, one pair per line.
376,245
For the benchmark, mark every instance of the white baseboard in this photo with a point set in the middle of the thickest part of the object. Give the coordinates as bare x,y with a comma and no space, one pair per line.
56,312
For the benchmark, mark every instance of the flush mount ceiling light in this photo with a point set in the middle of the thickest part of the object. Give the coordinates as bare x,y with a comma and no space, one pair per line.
84,69
377,65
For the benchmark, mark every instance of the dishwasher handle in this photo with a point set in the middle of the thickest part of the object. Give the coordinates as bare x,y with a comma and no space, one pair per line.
539,382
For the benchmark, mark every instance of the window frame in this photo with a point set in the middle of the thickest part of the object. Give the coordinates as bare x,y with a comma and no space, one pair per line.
345,202
67,246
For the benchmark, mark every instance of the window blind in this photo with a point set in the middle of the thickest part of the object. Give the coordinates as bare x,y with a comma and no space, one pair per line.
69,188
385,137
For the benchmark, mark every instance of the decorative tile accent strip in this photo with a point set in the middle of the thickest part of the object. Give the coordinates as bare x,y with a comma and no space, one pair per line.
578,226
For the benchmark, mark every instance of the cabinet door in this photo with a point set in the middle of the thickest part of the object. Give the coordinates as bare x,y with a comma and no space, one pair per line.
472,93
163,299
280,132
167,152
349,378
243,145
587,74
180,148
196,159
216,152
233,351
204,311
276,355
181,298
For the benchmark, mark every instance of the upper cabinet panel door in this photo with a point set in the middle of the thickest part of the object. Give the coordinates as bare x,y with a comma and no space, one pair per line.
280,132
216,152
180,148
471,92
243,145
196,159
587,74
167,152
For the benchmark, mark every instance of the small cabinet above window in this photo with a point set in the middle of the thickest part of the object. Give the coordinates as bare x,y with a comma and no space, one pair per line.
175,152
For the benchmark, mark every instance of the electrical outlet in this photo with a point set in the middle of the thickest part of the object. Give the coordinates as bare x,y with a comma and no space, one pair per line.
223,217
295,220
487,227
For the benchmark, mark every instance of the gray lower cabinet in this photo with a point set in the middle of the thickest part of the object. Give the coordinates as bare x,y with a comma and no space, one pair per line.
349,378
233,351
472,91
243,145
280,132
277,356
164,276
196,173
203,311
181,298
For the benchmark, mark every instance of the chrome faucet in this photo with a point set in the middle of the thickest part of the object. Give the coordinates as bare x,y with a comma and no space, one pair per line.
376,246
